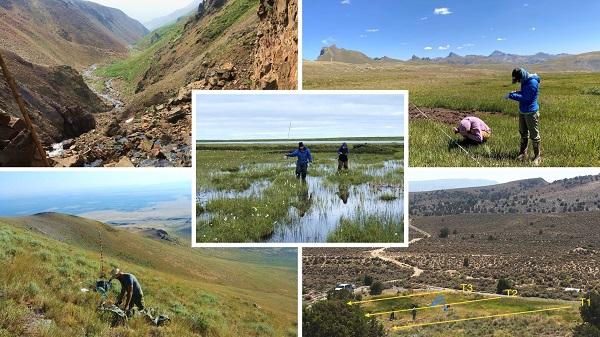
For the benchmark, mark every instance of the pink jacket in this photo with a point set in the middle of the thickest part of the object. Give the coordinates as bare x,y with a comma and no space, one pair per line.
472,128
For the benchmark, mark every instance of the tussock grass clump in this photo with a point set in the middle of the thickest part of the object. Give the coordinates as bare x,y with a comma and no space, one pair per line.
388,197
368,228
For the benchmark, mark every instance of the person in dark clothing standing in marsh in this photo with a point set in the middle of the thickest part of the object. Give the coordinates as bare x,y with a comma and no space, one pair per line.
131,291
343,152
304,157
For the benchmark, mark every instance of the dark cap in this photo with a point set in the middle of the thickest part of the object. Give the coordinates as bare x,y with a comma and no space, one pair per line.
517,75
300,144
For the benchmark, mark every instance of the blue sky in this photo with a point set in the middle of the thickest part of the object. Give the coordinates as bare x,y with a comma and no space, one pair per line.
268,116
500,175
431,28
44,183
145,10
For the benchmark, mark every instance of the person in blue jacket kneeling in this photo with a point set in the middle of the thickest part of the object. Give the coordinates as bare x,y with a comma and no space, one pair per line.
304,157
529,118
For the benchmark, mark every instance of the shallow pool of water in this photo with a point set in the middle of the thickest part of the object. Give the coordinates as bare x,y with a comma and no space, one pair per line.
321,207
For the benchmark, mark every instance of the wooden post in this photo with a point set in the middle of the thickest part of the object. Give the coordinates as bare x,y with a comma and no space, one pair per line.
13,87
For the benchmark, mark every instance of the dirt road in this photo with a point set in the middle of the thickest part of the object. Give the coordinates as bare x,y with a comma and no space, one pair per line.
379,253
427,235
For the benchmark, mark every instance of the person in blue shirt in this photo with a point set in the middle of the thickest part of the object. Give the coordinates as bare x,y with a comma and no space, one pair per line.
304,157
529,116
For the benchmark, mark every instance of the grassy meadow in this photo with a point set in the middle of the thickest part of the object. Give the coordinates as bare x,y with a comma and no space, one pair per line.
569,103
217,293
551,323
238,182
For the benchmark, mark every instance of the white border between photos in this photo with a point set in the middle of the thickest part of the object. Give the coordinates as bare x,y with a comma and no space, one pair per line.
405,94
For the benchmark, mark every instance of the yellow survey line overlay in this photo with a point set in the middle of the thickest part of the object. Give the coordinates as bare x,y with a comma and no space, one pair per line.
395,297
432,306
478,318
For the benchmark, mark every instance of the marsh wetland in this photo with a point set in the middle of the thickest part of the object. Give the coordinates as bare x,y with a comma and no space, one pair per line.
249,193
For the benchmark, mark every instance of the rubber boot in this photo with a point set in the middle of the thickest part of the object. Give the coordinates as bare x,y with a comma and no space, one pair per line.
537,159
523,151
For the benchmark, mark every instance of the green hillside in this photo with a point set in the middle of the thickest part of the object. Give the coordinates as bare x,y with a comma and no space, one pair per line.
48,258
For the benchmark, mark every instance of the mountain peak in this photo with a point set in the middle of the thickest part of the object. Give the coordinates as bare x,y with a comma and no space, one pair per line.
497,53
453,54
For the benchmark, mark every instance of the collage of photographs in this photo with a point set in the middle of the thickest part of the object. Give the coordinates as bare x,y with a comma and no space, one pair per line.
287,168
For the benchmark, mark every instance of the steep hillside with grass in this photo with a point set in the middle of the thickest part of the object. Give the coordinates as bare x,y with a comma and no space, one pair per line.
213,48
225,44
71,32
48,258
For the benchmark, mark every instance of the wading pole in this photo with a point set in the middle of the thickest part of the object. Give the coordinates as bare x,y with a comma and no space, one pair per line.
13,87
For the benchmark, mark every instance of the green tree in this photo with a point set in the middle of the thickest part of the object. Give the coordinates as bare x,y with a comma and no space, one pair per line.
590,314
376,288
368,280
338,319
503,284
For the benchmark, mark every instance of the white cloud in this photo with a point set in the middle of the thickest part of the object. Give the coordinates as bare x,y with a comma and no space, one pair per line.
372,30
533,28
363,35
459,47
468,45
345,2
328,40
446,47
442,11
424,18
501,39
525,5
428,48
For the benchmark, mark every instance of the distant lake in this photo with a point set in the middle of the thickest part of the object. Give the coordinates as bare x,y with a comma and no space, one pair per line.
126,199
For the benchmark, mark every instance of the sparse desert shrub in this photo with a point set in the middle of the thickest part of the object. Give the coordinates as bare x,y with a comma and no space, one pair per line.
376,288
340,295
368,280
503,284
444,232
466,262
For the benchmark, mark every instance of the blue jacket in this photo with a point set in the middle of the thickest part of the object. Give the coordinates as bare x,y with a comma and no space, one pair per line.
303,156
528,96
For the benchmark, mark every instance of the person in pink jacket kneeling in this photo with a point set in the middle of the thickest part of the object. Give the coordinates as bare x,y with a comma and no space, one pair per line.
474,129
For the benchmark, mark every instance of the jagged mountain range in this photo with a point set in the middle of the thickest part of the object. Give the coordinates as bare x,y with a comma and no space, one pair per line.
587,61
